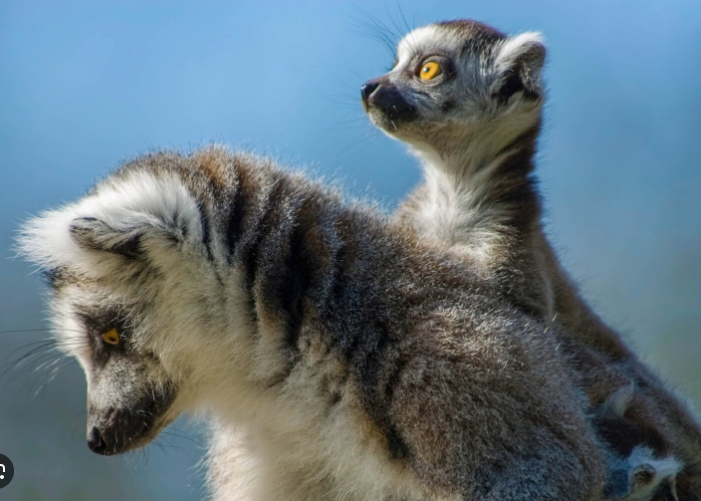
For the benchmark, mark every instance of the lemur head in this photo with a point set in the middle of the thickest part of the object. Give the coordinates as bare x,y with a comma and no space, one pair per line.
458,81
130,301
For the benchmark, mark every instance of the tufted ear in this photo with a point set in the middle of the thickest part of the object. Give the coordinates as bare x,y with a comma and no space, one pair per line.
131,215
94,234
130,233
518,66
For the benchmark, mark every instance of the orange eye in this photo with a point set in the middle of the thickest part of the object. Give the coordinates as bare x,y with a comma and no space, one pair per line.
111,337
430,70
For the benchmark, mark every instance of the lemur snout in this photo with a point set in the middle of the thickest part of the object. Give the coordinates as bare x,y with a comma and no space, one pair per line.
367,89
96,443
115,430
384,96
119,430
115,433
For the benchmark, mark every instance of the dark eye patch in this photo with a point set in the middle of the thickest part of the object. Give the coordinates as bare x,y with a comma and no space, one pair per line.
99,323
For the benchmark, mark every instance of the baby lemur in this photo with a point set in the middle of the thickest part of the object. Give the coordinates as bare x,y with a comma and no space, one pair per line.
358,361
467,100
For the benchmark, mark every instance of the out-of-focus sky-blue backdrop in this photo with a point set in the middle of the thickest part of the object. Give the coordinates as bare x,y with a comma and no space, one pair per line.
85,85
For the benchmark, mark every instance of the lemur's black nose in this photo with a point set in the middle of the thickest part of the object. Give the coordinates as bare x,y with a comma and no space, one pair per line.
95,441
367,89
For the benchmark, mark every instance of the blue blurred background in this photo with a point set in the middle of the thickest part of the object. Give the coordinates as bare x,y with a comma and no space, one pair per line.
86,85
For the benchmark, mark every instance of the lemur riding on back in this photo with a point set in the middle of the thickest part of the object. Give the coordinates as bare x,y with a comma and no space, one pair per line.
468,101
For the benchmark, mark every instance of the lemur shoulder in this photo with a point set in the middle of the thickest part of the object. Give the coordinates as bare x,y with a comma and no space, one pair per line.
467,99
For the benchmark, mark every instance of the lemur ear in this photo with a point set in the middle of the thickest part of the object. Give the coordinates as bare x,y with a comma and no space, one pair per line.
135,214
94,234
518,65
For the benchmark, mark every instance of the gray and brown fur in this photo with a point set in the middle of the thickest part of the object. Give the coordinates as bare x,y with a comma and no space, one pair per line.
338,355
475,129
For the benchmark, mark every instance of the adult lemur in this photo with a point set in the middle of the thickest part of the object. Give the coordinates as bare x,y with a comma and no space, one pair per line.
360,362
468,100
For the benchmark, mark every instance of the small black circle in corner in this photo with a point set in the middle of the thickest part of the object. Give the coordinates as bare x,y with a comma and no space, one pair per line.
7,471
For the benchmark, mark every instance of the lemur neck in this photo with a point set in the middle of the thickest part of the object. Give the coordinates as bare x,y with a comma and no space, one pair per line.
479,189
479,200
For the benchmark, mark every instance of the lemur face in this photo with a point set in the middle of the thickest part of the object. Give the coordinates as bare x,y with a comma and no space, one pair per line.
452,77
130,392
115,310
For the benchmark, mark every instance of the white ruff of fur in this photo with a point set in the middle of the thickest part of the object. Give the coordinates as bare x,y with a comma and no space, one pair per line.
454,205
459,181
